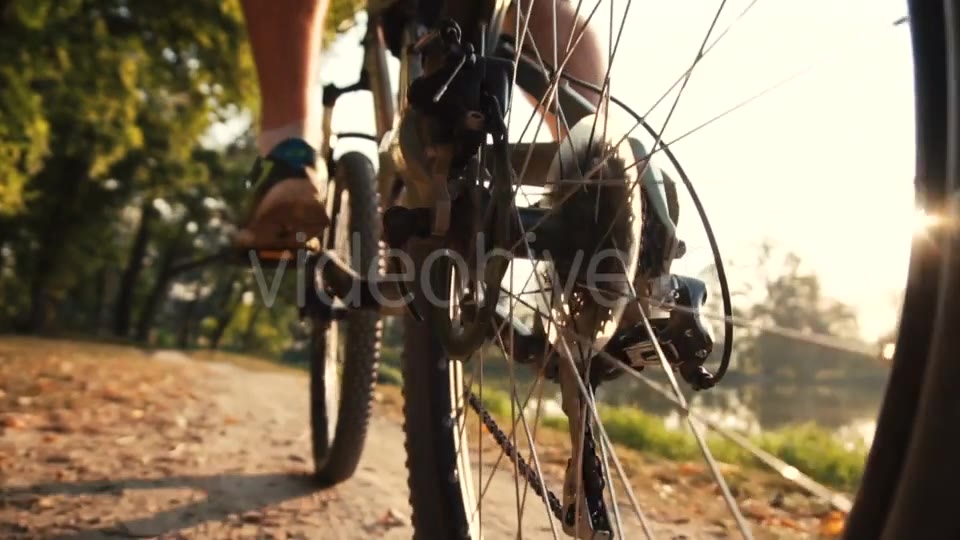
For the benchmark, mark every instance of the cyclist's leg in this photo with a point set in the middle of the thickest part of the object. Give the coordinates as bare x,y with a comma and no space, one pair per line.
287,181
587,62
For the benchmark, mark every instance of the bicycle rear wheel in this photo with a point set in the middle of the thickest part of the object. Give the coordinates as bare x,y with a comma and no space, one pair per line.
450,474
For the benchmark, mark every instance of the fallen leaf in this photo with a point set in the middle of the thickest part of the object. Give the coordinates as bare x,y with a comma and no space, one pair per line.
832,523
13,421
110,393
689,468
392,518
788,523
756,509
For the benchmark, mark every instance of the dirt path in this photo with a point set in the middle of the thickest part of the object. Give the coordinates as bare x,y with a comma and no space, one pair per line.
226,456
96,444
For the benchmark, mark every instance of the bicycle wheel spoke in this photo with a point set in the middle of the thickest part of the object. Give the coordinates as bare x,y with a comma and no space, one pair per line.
591,406
496,464
616,461
775,86
536,421
604,451
515,402
785,470
694,427
686,74
835,54
568,328
513,416
633,500
824,340
646,160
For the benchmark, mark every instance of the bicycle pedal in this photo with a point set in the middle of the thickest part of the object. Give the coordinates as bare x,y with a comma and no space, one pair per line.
342,282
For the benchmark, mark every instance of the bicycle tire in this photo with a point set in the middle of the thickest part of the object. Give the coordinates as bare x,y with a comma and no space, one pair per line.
336,458
911,471
436,493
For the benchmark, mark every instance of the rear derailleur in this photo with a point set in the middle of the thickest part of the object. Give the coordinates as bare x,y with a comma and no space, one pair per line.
683,336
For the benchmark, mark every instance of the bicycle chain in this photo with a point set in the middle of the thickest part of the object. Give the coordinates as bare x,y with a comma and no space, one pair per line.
593,485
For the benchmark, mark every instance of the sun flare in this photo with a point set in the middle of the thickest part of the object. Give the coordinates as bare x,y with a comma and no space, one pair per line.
923,222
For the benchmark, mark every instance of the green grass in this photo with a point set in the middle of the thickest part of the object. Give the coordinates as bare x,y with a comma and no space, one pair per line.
810,448
390,375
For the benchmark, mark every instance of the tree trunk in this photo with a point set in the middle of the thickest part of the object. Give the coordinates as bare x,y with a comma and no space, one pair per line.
39,317
185,332
170,268
250,332
123,309
158,292
52,232
223,321
230,301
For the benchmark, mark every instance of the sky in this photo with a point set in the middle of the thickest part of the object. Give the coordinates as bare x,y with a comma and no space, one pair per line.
822,166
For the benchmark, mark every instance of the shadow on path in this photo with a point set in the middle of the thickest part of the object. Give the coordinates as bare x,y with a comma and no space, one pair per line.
226,494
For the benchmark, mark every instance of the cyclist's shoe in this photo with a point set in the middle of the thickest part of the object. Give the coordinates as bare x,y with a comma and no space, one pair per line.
287,210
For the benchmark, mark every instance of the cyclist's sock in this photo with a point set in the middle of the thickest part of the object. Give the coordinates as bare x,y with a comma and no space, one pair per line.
268,139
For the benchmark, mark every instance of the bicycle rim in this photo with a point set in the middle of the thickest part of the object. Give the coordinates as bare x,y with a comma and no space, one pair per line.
466,465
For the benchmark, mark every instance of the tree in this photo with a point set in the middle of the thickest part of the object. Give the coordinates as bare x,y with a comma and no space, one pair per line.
108,197
793,300
123,91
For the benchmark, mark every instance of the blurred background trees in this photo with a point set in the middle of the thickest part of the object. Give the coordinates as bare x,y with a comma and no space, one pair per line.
121,170
118,185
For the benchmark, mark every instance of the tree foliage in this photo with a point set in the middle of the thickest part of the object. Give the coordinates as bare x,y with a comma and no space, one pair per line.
110,204
112,210
103,104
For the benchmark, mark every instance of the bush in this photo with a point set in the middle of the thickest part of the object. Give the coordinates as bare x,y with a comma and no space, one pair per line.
818,453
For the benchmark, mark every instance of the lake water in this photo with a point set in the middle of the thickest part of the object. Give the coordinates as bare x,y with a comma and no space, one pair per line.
847,409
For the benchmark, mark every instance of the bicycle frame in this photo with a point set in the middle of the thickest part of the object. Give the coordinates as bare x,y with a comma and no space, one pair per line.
388,110
404,178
